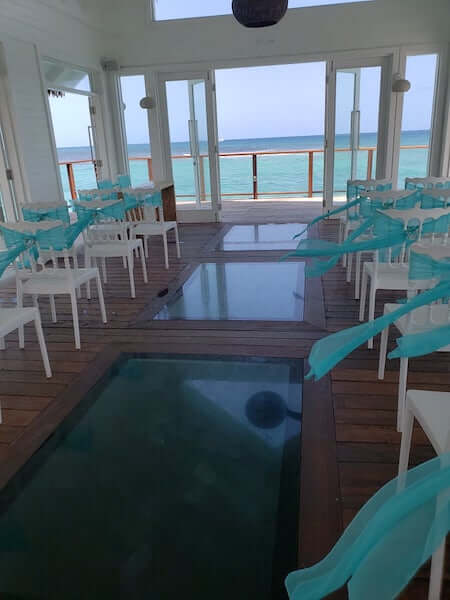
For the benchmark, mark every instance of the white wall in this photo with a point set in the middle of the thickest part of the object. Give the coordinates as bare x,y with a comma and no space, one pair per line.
304,31
61,29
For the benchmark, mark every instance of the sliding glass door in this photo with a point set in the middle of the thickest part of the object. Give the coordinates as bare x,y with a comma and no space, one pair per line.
353,125
191,140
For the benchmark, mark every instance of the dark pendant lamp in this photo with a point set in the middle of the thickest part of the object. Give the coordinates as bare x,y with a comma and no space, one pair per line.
259,13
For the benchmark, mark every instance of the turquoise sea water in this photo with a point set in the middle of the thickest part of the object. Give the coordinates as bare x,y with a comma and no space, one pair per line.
277,173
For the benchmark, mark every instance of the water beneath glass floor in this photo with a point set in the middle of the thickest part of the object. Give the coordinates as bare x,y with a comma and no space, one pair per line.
175,478
266,291
262,237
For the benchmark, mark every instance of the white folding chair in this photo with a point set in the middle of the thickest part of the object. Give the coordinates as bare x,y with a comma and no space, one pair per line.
111,240
16,318
151,225
432,411
393,273
39,280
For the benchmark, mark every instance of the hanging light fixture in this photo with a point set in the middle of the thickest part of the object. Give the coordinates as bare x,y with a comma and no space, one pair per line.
400,85
259,13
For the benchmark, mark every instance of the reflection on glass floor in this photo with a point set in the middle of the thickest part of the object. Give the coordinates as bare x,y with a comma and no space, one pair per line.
176,478
262,237
243,291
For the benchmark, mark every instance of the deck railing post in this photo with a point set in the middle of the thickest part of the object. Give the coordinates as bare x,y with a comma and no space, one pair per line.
370,163
150,168
202,179
310,173
255,175
71,178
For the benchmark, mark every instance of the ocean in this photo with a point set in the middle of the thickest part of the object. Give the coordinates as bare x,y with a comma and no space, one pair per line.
277,173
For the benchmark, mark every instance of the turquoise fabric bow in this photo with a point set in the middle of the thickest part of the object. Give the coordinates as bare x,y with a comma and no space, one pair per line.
391,537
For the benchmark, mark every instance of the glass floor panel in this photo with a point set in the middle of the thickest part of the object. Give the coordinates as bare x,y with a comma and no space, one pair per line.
262,237
263,291
176,477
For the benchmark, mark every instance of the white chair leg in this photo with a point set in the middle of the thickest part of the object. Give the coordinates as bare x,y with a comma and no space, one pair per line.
42,346
405,447
101,298
358,276
403,380
146,245
177,239
437,573
88,265
20,305
144,264
105,275
383,352
131,274
349,267
372,296
166,250
76,324
75,266
124,261
53,309
362,302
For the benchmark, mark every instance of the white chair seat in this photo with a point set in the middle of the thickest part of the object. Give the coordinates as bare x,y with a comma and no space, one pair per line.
392,276
432,410
12,318
55,281
154,228
105,248
421,319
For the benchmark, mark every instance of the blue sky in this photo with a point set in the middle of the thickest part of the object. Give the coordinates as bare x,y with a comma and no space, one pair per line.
274,101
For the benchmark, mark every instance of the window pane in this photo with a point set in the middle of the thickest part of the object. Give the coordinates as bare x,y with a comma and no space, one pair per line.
181,9
136,129
417,116
58,74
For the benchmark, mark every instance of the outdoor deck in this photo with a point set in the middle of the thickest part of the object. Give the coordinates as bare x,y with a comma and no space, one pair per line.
350,442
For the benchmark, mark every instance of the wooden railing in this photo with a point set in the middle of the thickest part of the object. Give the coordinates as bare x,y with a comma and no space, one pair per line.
310,153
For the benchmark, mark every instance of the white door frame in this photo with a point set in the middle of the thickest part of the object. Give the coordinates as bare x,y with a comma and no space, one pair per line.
437,151
96,116
211,116
384,149
11,181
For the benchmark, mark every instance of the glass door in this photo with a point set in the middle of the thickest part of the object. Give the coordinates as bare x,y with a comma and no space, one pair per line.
353,126
191,140
8,200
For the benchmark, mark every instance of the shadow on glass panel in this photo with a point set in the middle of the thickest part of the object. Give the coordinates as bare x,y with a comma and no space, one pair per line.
240,291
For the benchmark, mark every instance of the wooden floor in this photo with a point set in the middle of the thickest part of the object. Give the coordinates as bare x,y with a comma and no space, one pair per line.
363,437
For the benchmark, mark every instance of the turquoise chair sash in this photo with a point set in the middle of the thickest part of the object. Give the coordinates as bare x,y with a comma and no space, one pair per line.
53,213
391,537
329,351
7,257
124,181
105,184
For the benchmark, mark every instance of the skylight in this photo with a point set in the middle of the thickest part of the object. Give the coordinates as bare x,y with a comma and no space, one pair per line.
165,10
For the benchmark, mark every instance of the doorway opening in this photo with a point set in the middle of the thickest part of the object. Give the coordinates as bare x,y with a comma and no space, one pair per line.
271,126
73,136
